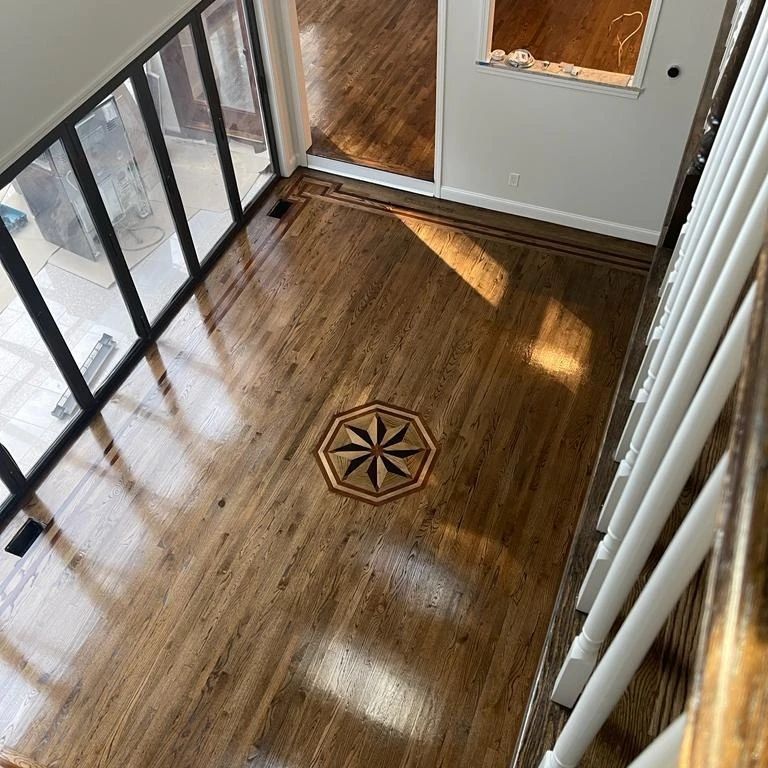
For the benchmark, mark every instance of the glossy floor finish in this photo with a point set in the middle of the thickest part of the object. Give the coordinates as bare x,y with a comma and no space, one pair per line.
576,32
202,598
370,68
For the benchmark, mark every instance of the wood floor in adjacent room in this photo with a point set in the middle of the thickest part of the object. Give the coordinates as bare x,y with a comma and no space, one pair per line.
577,32
370,68
202,598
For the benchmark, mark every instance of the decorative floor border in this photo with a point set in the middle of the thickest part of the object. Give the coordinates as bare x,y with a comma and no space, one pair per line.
308,186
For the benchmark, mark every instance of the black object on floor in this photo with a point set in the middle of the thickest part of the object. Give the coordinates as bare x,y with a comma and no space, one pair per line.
24,538
280,208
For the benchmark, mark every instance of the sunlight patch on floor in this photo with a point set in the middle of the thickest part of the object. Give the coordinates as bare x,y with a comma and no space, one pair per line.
369,687
469,260
563,346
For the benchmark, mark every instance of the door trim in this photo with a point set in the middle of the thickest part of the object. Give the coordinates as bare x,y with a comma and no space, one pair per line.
373,175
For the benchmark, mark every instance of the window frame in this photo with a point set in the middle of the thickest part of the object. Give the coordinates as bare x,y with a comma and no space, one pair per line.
631,90
21,485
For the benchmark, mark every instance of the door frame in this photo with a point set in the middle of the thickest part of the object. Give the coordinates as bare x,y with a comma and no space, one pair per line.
293,132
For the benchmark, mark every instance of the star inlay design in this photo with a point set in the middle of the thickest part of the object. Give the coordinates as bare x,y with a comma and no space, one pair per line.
376,453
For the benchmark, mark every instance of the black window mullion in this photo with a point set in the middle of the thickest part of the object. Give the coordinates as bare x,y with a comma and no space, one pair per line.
160,149
10,473
106,231
217,116
33,300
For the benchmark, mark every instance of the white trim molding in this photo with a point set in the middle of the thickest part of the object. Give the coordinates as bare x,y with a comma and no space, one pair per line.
651,23
442,40
543,78
372,175
566,218
269,28
485,40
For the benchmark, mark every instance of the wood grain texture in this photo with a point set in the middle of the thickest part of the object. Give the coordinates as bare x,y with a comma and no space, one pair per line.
728,712
658,693
202,598
574,32
11,759
370,69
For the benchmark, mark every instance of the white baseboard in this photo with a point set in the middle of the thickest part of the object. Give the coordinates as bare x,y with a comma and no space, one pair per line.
601,226
362,173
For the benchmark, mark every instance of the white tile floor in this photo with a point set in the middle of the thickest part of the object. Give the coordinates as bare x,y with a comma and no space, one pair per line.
84,298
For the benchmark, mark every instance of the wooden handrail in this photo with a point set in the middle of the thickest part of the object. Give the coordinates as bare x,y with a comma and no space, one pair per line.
727,723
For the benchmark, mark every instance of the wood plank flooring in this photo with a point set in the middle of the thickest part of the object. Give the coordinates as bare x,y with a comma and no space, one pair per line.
659,691
574,32
202,598
370,68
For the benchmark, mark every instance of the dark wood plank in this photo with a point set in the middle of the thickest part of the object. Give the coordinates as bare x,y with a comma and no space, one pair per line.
200,597
370,69
574,32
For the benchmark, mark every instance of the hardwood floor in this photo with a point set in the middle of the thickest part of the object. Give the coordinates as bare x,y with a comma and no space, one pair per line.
660,690
575,32
370,69
203,598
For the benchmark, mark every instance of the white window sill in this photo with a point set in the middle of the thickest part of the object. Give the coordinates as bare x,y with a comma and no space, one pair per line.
582,82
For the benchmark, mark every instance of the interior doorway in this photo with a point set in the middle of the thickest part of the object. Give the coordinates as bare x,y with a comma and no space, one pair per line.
370,72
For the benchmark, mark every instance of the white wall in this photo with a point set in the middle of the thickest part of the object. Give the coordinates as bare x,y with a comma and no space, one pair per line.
588,159
54,53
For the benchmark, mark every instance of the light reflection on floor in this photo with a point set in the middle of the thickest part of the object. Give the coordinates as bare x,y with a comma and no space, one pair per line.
484,275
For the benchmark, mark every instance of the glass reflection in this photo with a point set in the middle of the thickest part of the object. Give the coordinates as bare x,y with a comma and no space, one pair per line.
47,217
229,43
119,152
185,120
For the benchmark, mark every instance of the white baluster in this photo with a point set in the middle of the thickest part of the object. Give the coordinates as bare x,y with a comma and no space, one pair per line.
699,327
739,156
624,655
672,274
663,466
664,750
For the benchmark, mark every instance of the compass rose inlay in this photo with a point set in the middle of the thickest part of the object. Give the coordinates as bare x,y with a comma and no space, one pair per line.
376,453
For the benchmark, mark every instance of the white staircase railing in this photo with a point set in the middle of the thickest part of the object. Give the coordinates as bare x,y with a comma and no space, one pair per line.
694,358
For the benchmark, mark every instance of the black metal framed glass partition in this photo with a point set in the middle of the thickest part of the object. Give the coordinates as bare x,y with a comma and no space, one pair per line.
109,222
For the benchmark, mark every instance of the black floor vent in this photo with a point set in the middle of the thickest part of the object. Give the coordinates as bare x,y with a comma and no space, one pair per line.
24,538
280,208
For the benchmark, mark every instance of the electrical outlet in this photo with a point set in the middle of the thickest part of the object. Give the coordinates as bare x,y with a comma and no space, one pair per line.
514,179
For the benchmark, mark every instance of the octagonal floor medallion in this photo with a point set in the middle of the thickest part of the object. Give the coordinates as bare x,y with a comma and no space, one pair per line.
376,452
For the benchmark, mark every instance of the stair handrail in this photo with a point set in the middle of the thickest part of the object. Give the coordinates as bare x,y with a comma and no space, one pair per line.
727,716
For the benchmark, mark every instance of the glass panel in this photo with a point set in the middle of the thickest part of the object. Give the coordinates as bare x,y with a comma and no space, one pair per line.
50,224
35,405
120,155
233,65
4,492
185,119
